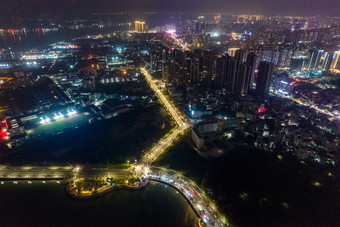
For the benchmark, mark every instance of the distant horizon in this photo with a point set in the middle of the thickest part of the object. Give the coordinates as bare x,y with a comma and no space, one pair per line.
123,12
37,8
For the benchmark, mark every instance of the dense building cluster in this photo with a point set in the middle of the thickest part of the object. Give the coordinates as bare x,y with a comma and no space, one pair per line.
272,82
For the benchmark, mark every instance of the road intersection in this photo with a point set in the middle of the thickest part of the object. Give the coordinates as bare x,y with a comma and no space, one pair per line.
194,195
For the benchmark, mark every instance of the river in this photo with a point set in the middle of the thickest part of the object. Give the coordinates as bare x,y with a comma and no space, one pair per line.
39,204
37,38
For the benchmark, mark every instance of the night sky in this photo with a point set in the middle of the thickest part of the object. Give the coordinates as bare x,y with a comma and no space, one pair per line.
28,8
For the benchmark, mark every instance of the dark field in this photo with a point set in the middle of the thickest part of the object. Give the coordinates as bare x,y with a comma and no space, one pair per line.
115,140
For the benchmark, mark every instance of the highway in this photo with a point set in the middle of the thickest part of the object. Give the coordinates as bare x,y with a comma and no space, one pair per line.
169,139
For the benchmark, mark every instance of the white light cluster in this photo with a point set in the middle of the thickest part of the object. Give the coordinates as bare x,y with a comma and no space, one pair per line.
72,112
4,65
46,120
31,63
58,116
39,56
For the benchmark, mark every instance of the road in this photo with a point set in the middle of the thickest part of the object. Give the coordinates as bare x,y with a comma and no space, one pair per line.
72,100
29,172
57,172
178,41
199,201
168,139
194,195
332,115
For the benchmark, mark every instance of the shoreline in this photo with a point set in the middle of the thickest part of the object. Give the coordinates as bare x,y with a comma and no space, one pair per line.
104,192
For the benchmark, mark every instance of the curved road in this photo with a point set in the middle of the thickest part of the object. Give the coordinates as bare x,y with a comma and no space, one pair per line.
199,201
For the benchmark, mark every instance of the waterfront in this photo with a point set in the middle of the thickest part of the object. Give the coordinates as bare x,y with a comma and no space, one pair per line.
41,204
39,38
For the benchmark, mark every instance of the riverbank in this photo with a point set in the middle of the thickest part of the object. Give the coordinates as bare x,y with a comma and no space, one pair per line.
85,195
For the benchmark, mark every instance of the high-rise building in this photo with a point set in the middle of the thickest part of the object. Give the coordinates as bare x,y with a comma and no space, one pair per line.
201,42
140,26
240,56
164,65
199,27
297,64
326,61
102,62
170,28
314,57
264,78
89,83
208,62
231,74
284,58
243,82
232,51
335,66
251,60
196,68
187,66
221,71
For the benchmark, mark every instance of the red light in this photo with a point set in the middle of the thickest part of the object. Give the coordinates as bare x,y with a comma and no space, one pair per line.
3,134
261,109
92,65
194,192
292,82
6,124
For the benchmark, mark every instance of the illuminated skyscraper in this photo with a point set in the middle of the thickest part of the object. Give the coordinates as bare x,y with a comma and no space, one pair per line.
314,57
326,61
140,26
335,66
264,78
232,51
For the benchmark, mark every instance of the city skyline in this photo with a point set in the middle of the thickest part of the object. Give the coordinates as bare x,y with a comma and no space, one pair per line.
38,8
213,119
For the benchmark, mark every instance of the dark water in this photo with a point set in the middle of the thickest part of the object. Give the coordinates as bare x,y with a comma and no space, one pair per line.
46,205
32,38
36,38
